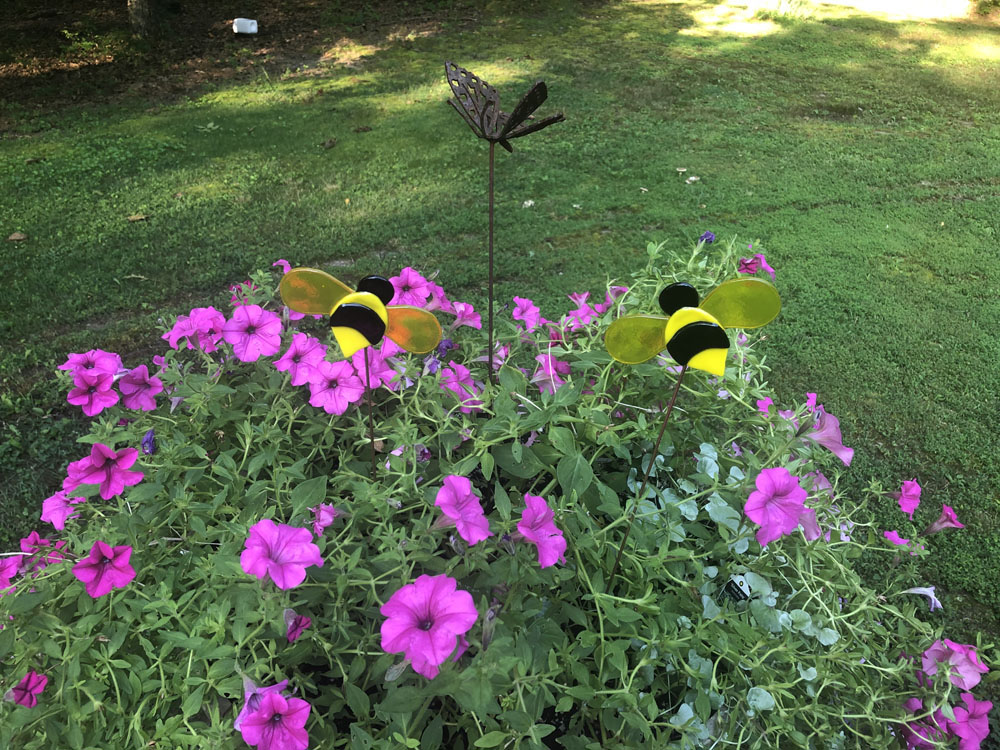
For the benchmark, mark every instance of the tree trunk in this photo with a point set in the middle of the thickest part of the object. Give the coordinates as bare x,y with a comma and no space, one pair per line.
147,17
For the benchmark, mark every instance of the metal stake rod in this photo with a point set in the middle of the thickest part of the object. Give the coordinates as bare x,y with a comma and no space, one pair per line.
371,419
649,469
490,353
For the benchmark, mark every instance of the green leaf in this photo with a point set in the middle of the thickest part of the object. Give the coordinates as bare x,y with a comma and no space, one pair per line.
358,700
490,739
307,494
527,467
759,699
562,440
402,700
193,702
574,474
501,500
486,462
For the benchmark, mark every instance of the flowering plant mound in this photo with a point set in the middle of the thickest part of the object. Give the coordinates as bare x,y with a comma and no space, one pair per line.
227,568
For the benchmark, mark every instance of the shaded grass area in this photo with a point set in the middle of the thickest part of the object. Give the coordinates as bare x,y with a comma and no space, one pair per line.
858,154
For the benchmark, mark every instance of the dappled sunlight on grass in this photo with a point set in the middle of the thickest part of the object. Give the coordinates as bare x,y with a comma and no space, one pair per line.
909,9
730,17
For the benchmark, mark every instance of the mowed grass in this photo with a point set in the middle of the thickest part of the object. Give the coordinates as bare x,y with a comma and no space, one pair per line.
859,153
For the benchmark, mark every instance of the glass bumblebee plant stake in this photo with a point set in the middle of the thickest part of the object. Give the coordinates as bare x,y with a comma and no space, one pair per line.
479,105
694,335
360,318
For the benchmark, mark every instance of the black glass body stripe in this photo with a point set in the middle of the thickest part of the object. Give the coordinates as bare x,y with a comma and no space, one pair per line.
362,319
695,338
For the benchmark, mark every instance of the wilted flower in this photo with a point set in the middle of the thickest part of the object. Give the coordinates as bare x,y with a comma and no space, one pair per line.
947,520
295,624
927,591
57,508
826,432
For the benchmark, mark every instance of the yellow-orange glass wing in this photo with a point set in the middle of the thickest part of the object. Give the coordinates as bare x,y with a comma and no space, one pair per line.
414,329
311,291
636,338
743,303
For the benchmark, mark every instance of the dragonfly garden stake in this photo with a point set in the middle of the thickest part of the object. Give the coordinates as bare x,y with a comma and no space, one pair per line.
479,105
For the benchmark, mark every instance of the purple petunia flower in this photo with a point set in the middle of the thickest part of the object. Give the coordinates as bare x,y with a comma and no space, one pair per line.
335,386
26,692
93,391
57,508
537,526
253,332
105,568
139,389
777,504
280,552
277,724
302,358
106,468
295,624
462,509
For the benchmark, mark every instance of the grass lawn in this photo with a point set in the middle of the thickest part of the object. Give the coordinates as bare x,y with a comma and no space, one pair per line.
858,151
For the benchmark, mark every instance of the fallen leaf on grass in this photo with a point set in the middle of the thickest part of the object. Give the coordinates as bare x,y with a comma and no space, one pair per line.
34,160
362,129
138,217
18,237
329,143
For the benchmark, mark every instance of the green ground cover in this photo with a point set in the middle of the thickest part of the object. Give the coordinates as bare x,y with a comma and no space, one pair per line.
858,153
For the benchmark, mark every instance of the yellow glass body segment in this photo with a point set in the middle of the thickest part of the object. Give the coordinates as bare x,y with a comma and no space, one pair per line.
712,361
350,340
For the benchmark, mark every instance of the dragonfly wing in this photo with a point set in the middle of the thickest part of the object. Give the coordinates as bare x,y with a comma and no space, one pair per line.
311,291
743,303
413,328
477,101
528,104
534,125
636,338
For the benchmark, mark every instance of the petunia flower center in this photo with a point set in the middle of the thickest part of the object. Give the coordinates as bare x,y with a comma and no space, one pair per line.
425,624
276,719
251,330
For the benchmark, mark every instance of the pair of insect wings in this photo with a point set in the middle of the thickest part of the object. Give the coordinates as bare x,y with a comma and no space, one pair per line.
692,333
479,105
361,317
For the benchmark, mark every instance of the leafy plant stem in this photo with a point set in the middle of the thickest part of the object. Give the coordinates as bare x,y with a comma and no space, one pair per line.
649,469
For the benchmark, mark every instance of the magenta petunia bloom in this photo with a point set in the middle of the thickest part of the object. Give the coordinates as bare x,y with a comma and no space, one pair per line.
439,300
527,312
277,724
538,527
754,264
425,619
908,497
947,520
335,386
764,404
201,329
252,697
302,359
279,551
965,666
826,432
457,379
548,375
105,568
379,371
929,732
253,332
92,391
106,468
894,537
776,505
57,508
95,359
465,315
10,566
609,298
283,264
971,722
461,506
295,624
26,692
40,552
139,389
324,516
582,314
411,288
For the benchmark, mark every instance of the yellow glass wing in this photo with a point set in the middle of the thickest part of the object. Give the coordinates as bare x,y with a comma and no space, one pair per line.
636,338
414,329
743,303
311,291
